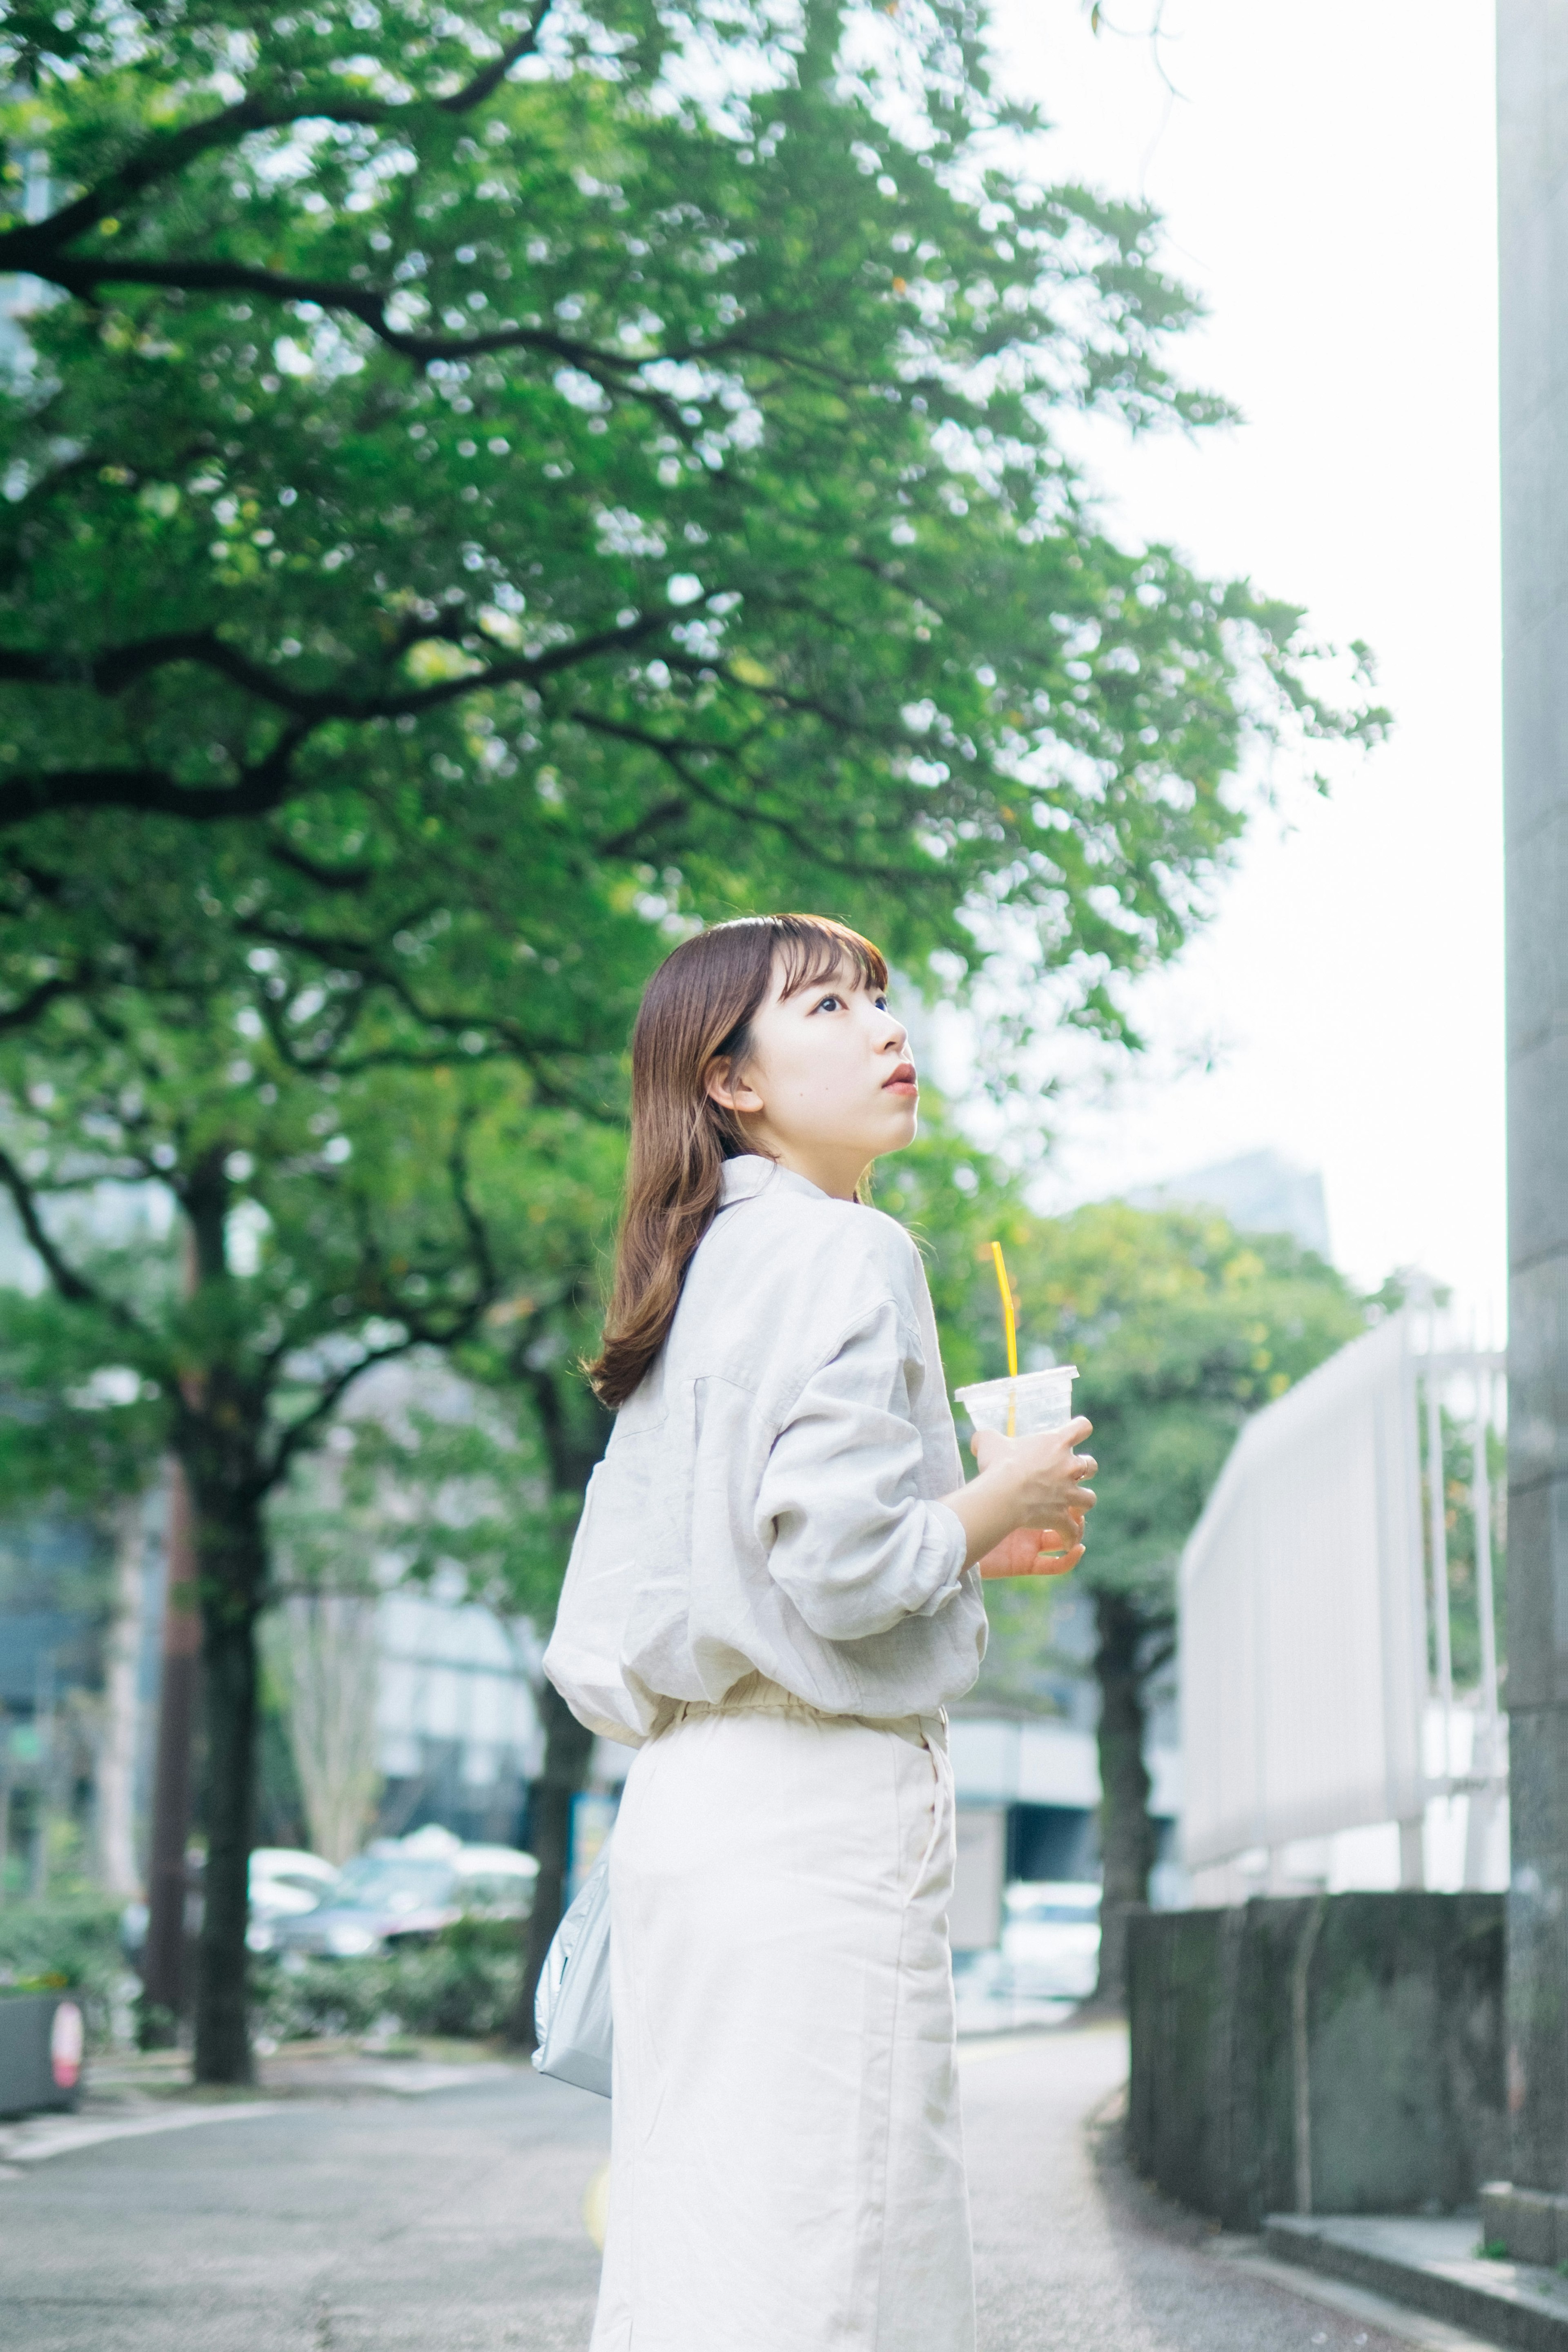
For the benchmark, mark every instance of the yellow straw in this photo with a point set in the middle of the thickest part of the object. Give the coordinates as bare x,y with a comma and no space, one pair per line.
1005,1287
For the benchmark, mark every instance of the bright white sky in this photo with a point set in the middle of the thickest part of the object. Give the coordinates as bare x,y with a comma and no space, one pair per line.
1327,178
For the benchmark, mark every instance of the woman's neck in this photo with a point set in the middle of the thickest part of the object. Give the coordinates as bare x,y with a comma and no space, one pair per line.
836,1173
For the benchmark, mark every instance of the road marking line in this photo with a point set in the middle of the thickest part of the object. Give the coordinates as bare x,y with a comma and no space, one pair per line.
31,2143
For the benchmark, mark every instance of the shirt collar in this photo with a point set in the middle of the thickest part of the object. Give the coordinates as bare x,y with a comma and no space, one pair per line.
743,1177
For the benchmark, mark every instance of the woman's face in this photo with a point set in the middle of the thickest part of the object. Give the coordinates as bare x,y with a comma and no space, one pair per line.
829,1083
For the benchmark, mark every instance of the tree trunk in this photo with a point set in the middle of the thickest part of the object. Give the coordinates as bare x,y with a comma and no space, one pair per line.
1126,1833
232,1558
567,1749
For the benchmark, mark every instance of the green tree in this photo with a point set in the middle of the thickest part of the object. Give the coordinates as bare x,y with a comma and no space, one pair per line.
486,1476
332,1227
1180,1328
487,488
540,493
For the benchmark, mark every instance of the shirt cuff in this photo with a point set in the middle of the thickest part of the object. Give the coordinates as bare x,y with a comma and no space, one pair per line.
941,1556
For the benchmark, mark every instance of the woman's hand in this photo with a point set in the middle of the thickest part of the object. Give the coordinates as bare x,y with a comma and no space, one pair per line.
1024,1514
1046,1472
1033,1551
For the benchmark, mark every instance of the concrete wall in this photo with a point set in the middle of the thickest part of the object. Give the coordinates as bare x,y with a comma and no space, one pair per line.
1331,2055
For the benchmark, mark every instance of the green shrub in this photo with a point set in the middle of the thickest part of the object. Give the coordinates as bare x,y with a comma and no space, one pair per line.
319,2000
45,1945
462,1985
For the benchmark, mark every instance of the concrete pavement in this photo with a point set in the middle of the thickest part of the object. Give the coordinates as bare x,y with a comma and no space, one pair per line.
448,2223
453,2223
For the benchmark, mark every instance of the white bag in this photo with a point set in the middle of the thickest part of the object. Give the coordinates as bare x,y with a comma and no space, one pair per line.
572,2007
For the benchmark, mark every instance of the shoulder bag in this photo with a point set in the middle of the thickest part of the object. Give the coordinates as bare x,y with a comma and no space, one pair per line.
572,2007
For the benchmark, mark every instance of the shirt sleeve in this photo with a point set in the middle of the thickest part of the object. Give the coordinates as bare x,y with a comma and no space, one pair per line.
850,1539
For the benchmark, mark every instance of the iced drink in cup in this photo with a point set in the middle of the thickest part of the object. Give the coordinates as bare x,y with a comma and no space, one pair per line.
1039,1401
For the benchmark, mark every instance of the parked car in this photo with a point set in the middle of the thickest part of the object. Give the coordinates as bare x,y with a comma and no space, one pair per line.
405,1891
1050,1938
284,1881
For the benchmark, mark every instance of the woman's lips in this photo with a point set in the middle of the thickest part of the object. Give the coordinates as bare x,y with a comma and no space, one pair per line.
903,1081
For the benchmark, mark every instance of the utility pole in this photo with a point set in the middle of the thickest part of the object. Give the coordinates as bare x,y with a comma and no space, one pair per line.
1533,145
162,1962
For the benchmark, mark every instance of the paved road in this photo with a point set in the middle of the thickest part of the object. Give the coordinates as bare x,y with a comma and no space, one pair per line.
448,2223
454,2224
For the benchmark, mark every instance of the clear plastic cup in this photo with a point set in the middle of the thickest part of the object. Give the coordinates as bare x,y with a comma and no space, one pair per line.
1040,1401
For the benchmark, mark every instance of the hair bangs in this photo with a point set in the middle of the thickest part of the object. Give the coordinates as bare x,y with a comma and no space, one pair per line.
814,949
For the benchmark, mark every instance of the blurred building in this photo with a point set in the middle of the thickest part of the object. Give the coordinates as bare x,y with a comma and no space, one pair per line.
457,1724
79,1678
1259,1193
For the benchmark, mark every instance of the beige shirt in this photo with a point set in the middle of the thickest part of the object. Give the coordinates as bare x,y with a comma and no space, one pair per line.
768,1500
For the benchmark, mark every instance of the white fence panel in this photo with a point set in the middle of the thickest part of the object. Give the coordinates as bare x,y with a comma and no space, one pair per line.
1303,1627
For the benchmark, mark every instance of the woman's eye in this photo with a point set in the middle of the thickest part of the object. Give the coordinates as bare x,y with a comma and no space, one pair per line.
828,1004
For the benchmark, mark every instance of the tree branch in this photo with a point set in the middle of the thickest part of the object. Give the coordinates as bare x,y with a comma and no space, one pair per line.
70,1284
22,1014
151,790
110,672
653,820
297,1435
810,845
490,77
271,782
328,877
418,1331
83,275
33,246
473,1225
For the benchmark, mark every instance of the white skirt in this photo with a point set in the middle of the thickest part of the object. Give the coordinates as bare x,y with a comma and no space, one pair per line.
786,2164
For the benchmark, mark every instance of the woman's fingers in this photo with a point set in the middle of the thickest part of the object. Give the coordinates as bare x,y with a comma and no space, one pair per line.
1014,1555
1061,1539
1058,1563
1035,1551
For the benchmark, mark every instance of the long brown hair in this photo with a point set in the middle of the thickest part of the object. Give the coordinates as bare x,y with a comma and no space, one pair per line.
700,1003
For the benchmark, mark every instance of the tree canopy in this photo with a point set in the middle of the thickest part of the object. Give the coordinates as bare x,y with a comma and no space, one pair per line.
555,468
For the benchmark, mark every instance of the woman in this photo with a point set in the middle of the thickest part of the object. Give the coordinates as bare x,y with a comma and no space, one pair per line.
774,1593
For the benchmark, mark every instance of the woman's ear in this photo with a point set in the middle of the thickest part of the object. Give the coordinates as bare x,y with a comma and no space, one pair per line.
723,1085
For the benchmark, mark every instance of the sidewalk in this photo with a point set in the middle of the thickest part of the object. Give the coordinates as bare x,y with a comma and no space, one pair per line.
1073,2254
336,2214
